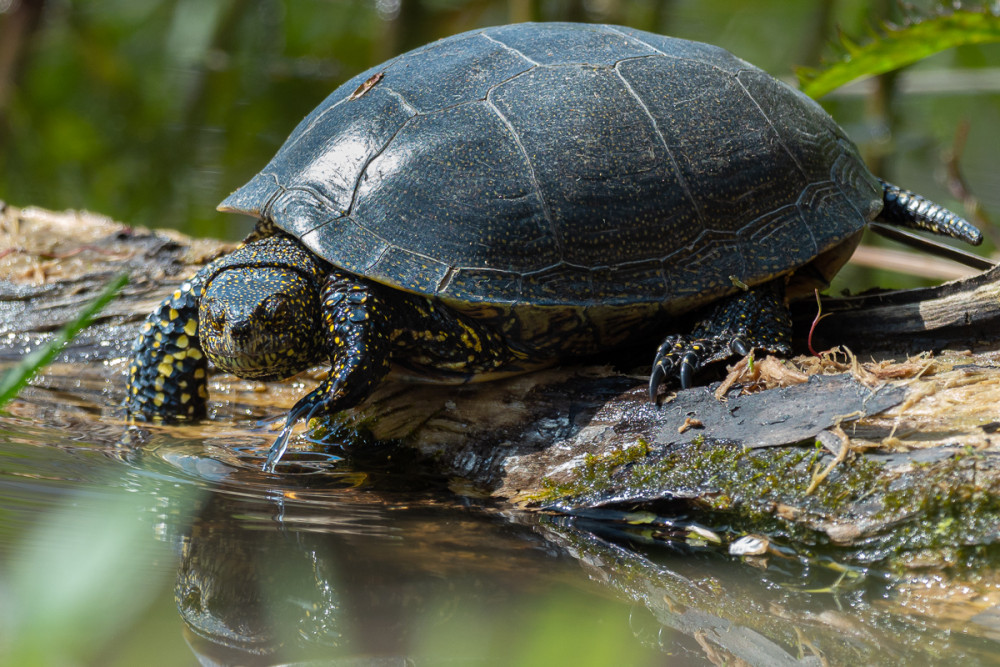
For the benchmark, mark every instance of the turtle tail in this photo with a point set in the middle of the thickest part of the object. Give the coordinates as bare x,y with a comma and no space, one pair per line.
902,207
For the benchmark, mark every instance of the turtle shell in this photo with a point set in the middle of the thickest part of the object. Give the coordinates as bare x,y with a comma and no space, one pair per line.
566,165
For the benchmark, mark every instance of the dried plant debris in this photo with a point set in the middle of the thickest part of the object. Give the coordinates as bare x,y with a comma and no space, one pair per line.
771,372
768,373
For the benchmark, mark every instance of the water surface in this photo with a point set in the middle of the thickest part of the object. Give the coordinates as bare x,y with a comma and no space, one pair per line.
115,540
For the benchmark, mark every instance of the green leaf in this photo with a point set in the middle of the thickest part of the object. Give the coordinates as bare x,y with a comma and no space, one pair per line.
898,46
17,377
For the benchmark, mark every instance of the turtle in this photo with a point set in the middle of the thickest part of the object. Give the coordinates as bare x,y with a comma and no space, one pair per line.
517,196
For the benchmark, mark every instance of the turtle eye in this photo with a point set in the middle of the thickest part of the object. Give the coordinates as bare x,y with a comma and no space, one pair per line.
277,309
213,315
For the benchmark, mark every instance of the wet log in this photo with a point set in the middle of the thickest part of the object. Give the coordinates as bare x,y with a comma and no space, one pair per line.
846,454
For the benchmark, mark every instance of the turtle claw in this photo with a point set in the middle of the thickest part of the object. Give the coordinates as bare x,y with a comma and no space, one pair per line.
277,450
305,409
682,358
734,327
739,347
280,444
678,358
655,380
689,365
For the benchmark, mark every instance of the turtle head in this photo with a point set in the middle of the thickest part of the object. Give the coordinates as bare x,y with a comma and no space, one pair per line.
261,321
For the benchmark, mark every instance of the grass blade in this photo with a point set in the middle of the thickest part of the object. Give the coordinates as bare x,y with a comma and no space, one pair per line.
898,46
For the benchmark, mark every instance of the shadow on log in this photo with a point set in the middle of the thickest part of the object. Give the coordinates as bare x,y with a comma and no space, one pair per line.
894,461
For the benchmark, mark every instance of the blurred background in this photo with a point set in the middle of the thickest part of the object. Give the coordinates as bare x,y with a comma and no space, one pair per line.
152,111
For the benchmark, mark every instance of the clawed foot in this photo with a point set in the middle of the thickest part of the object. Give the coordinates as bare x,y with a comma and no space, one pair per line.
756,319
311,404
681,357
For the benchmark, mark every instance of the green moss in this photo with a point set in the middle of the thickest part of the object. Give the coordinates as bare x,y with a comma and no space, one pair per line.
942,512
948,511
594,472
717,473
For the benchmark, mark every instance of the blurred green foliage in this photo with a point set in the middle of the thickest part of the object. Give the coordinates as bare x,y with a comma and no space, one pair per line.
81,604
152,111
893,47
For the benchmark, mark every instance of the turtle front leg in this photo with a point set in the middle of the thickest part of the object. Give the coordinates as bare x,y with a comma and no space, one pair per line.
354,319
755,319
167,376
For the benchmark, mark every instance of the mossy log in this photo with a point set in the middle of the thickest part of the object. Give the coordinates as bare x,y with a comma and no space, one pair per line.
892,458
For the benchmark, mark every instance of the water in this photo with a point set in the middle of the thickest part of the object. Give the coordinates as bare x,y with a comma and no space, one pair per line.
95,538
168,546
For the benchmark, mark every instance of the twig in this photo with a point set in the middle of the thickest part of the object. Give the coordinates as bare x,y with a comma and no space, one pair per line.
845,447
812,329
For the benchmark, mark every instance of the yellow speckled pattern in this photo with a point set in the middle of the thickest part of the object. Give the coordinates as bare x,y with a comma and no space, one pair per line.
354,325
167,377
261,322
271,309
244,311
366,329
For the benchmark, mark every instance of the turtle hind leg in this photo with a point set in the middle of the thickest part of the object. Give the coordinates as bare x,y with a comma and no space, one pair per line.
754,319
902,207
354,319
